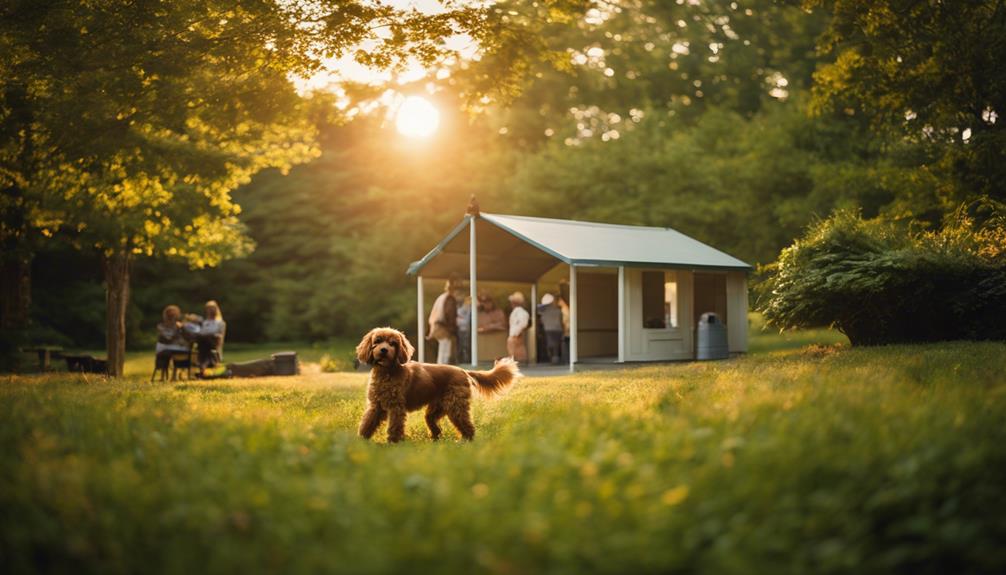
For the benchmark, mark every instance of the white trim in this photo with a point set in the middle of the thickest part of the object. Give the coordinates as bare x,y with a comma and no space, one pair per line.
622,328
572,317
473,288
420,319
532,354
737,312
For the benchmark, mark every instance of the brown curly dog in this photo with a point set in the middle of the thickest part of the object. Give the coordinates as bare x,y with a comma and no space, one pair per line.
398,386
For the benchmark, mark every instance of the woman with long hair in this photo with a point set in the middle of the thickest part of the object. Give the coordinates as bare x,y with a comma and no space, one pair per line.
210,337
170,337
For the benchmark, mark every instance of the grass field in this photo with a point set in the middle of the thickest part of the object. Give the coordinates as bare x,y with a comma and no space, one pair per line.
141,363
814,459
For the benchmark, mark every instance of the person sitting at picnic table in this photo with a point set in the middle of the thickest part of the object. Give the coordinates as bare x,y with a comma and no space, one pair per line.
208,333
170,337
491,318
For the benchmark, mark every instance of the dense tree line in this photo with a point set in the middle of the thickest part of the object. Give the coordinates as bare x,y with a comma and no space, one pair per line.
737,122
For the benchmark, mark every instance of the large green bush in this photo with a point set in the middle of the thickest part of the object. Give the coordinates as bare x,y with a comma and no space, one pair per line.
879,282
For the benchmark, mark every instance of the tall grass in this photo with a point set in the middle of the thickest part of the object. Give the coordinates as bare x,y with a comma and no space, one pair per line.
820,459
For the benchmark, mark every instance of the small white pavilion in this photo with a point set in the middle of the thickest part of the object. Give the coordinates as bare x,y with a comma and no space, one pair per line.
635,293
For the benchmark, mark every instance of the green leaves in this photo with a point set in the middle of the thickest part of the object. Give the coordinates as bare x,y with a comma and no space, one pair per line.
880,283
931,72
131,123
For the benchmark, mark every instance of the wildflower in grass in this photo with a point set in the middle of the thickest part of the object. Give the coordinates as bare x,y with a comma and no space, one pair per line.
674,496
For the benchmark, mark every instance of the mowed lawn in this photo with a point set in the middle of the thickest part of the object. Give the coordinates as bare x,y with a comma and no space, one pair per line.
815,459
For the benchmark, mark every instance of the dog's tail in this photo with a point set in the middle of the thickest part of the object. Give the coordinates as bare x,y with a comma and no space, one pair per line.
503,373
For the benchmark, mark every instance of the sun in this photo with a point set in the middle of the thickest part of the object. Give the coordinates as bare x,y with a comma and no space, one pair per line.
417,118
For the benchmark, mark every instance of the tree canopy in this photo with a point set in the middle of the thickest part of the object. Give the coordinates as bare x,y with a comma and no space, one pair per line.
933,72
127,125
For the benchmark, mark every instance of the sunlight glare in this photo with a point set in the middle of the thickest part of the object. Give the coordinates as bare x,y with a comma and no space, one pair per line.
417,118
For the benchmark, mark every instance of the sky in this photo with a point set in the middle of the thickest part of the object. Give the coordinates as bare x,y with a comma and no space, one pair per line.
347,69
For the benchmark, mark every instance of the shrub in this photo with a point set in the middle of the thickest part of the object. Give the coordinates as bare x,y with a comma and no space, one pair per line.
331,364
878,282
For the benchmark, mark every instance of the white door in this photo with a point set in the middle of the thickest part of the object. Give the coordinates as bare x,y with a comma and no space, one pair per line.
658,310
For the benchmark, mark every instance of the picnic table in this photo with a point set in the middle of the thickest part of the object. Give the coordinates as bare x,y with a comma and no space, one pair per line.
45,353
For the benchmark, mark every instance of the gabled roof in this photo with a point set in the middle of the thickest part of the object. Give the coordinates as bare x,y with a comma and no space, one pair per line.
590,243
613,244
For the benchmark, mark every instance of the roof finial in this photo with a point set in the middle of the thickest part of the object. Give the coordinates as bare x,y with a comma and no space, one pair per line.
473,207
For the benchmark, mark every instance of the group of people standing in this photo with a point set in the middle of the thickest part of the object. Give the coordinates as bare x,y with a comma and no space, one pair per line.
450,324
177,334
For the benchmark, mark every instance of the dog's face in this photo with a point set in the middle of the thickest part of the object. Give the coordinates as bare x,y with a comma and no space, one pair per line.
384,346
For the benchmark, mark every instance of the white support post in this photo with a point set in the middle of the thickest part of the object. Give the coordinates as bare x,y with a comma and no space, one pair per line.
533,332
621,314
473,286
572,317
420,319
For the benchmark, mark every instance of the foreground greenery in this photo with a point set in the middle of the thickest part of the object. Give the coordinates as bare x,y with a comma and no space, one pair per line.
819,459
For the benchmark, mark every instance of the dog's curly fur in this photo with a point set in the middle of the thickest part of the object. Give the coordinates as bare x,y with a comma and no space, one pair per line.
398,386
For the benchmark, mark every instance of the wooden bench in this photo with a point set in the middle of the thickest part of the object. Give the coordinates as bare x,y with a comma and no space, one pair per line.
45,354
85,363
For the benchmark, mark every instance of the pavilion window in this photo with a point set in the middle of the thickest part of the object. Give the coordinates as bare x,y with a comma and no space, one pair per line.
660,299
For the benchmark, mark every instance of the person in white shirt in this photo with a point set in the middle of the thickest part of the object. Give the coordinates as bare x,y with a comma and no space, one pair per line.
210,336
520,319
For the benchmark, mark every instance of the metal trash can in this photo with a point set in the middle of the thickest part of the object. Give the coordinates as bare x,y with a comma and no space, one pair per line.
711,340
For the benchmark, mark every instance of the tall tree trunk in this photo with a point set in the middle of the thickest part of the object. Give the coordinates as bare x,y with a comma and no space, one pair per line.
16,235
15,302
116,300
15,287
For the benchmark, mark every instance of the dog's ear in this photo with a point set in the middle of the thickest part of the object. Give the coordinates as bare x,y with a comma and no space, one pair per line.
405,349
364,348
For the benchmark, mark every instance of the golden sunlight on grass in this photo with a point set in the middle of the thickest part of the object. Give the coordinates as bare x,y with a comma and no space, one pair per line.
830,452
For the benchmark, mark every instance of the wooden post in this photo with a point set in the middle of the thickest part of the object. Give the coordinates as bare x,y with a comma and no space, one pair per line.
572,317
533,332
473,286
622,331
420,319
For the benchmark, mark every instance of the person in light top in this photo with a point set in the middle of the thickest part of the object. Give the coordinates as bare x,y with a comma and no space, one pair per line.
170,337
443,321
209,336
520,319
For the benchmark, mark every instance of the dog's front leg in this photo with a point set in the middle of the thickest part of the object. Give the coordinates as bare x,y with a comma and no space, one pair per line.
396,425
372,419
